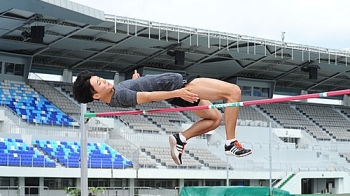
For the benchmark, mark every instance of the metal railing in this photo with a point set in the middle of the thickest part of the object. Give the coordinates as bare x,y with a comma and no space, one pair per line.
136,164
9,191
127,191
138,191
24,190
31,190
224,37
20,161
93,131
139,137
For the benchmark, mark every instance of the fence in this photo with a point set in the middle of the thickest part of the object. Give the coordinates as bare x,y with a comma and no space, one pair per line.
24,190
138,191
125,191
9,190
96,163
93,131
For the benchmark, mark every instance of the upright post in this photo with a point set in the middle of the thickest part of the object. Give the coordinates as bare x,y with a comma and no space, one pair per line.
227,173
83,153
270,157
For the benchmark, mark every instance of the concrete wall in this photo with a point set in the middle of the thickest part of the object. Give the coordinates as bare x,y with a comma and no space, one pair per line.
342,181
62,172
257,178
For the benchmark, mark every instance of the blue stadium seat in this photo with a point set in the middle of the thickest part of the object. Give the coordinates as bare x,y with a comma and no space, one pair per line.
32,107
100,155
15,152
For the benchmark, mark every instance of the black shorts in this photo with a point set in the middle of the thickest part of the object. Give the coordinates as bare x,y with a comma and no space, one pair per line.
180,102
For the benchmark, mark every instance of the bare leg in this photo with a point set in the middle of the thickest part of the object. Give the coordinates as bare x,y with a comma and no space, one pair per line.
211,120
230,117
211,89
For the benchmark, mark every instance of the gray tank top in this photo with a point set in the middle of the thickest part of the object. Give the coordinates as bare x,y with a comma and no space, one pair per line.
125,92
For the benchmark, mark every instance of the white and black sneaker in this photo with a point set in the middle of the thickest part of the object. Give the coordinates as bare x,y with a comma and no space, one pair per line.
177,148
236,149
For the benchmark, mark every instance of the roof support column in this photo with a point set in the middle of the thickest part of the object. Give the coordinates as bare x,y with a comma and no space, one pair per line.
67,76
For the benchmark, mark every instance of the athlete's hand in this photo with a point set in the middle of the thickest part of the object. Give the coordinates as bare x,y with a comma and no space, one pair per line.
135,75
187,95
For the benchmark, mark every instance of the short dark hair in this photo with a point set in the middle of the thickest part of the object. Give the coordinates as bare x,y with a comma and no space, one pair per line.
83,91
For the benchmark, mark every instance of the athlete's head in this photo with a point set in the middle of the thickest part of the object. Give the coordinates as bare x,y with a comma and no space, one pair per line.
88,87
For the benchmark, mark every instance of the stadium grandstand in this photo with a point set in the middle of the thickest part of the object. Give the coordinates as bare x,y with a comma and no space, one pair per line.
299,147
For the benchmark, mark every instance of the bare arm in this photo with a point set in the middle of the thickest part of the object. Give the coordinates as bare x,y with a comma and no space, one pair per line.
183,93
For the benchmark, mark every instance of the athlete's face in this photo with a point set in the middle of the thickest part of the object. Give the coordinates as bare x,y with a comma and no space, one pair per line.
101,86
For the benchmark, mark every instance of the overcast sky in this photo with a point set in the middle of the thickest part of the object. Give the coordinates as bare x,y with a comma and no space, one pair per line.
323,23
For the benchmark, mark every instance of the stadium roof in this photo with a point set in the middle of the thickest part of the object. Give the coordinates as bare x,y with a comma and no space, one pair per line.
78,38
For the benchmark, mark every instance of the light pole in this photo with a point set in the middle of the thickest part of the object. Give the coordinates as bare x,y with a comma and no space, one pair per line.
282,44
282,37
